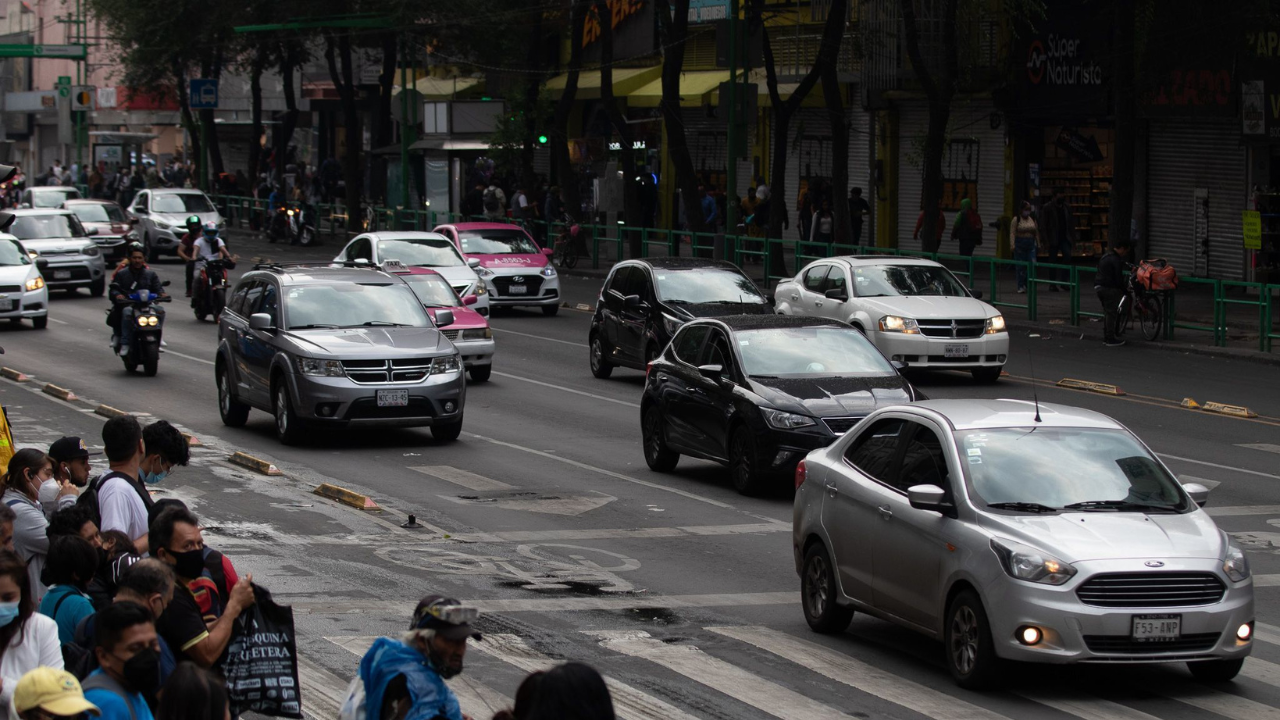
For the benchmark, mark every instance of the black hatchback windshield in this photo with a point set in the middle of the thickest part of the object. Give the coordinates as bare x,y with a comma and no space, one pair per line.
791,352
703,286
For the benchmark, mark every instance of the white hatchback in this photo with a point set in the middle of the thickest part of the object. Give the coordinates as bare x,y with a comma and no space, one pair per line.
915,311
23,295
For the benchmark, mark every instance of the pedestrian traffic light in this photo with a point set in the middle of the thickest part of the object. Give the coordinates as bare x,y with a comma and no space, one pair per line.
542,139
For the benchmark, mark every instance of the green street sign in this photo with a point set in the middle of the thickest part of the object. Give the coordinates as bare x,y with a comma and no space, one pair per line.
64,80
64,91
61,52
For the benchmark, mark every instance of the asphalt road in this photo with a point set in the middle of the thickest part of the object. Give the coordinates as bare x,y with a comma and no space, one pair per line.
681,591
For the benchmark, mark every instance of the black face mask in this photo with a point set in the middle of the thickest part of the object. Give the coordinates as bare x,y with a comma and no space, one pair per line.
188,564
142,672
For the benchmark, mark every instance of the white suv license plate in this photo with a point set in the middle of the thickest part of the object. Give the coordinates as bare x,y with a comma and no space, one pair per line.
955,351
6,305
393,398
514,289
1156,628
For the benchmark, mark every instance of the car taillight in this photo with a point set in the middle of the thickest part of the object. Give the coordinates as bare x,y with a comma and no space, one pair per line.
648,367
802,474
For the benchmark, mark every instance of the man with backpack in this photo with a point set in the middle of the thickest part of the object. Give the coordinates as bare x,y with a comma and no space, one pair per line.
405,678
967,229
116,497
495,203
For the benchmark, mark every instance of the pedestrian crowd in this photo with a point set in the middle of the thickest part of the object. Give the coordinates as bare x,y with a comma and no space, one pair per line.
113,606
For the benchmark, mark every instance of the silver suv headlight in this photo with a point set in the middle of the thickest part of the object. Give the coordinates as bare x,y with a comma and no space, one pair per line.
1023,562
785,420
320,368
448,363
1234,564
91,251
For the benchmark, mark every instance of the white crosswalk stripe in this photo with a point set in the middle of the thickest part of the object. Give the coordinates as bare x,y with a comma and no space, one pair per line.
857,674
744,686
1262,671
1089,708
1224,704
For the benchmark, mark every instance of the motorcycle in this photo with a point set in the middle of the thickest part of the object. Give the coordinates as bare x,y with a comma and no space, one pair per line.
284,224
212,285
148,321
305,234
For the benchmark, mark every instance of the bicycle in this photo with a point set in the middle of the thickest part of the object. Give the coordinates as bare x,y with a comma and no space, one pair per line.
1145,302
565,250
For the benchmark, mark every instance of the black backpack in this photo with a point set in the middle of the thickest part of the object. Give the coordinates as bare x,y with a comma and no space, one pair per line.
77,655
89,497
491,201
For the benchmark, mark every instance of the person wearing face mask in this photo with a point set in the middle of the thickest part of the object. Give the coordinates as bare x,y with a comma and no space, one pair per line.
176,540
28,640
73,563
70,460
48,694
75,521
212,589
128,653
166,449
405,678
27,470
1026,242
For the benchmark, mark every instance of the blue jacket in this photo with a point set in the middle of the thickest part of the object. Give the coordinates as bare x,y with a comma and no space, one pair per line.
388,659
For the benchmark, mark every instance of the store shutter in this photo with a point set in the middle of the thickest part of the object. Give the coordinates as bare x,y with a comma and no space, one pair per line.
1184,155
913,127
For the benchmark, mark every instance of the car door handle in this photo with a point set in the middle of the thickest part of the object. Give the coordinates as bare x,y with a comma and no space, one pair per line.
885,512
818,303
832,490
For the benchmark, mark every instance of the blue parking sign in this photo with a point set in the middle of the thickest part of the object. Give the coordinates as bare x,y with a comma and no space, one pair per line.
204,94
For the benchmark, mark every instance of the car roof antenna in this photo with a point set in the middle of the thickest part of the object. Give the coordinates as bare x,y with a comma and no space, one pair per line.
1034,395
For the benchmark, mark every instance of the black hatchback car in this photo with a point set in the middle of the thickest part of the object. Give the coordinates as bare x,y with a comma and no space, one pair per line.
644,302
757,393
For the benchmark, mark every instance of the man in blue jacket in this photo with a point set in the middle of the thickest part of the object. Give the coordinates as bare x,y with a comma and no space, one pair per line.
404,679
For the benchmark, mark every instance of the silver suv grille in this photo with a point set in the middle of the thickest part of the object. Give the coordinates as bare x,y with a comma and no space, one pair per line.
388,372
951,328
1155,589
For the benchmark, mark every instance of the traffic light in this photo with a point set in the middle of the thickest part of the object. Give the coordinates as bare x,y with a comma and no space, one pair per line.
542,139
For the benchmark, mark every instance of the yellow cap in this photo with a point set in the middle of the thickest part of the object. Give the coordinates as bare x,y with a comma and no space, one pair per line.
57,692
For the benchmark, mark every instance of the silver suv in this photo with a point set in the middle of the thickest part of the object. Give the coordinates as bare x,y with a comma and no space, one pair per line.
1012,531
162,217
336,345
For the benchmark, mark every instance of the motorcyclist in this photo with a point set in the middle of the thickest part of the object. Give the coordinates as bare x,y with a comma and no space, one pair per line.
207,247
131,278
185,245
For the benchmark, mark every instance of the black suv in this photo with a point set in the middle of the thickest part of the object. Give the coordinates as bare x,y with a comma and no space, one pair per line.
644,302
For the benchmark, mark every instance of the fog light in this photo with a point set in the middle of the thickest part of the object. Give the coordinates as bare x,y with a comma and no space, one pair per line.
1028,635
781,457
448,407
1245,632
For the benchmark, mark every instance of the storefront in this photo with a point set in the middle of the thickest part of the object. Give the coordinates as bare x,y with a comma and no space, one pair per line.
1259,125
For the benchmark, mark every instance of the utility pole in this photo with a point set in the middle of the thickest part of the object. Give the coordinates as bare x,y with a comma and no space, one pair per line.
404,122
731,207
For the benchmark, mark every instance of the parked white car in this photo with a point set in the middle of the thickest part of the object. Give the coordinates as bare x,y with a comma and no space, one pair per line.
421,249
1011,530
915,311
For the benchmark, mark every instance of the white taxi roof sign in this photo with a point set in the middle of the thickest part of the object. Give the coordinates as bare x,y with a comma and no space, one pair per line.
394,266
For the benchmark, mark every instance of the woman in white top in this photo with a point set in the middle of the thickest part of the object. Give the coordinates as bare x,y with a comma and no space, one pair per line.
28,640
28,469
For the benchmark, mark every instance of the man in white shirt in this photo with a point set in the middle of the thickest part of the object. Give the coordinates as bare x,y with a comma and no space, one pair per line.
209,246
121,502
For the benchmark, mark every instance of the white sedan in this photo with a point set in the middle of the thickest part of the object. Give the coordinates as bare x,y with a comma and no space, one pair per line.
23,295
915,311
421,249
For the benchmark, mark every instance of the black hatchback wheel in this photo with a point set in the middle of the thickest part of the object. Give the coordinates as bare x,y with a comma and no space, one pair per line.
657,455
743,465
600,367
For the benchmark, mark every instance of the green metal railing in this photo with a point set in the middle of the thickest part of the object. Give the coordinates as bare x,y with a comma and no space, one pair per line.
609,243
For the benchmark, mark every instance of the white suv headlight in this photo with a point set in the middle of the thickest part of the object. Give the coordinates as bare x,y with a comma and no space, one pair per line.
785,420
894,323
1023,562
321,368
995,325
1234,563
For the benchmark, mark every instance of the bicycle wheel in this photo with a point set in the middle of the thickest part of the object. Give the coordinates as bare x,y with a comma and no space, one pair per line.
1150,318
568,258
1125,315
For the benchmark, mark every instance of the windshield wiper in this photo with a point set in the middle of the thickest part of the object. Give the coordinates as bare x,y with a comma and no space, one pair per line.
1117,505
1022,507
313,326
383,323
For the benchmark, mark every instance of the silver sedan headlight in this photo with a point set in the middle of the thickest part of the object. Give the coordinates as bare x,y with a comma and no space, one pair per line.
1234,564
1023,562
548,271
785,420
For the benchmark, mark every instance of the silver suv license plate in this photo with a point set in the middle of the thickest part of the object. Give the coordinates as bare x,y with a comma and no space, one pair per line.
1156,628
393,398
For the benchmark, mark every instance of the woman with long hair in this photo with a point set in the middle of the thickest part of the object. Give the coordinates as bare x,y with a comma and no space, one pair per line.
193,693
28,469
28,640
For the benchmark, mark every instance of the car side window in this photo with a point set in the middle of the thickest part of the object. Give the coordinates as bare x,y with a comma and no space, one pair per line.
874,451
836,280
642,284
718,353
270,303
815,277
688,343
621,278
923,461
251,299
237,304
142,201
361,249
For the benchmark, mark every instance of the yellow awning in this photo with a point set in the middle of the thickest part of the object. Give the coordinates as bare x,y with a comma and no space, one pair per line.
434,88
694,86
760,79
625,81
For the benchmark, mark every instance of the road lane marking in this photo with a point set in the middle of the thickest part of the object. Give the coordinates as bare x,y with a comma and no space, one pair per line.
167,351
602,471
1266,633
476,698
540,337
1266,580
857,674
628,702
1264,447
1242,510
562,388
468,480
1220,467
741,685
1224,704
60,322
624,533
1088,708
1262,671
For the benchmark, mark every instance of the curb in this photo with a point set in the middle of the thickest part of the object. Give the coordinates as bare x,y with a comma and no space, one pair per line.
108,411
1233,410
257,465
60,393
1084,332
347,497
14,375
1090,386
192,440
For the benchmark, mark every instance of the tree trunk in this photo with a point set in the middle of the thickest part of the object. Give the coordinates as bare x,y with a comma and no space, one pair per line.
383,129
1126,124
189,122
532,87
630,187
561,162
213,69
284,132
351,168
673,21
255,112
940,90
839,155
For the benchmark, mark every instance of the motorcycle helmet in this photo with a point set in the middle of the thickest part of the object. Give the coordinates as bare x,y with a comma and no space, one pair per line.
193,222
135,247
211,229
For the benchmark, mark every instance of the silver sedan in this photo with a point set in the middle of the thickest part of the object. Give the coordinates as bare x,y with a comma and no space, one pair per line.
1012,531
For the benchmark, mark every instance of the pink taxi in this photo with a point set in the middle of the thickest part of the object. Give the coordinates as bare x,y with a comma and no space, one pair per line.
515,269
469,331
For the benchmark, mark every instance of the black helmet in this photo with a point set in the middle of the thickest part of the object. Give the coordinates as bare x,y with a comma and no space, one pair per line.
193,220
135,247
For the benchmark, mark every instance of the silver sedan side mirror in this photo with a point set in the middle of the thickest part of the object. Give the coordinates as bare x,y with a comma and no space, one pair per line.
931,498
1198,493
